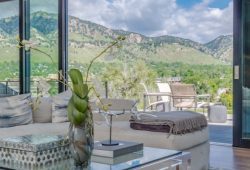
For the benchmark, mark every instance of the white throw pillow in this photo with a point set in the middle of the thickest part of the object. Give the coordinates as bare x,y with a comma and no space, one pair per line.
15,110
43,114
59,107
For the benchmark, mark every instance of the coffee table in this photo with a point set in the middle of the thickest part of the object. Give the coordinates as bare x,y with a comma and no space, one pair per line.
148,159
33,151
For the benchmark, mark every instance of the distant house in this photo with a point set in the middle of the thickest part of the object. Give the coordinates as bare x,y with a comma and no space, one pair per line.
174,79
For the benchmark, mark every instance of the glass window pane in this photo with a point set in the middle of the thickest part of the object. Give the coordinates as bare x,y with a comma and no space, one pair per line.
9,53
44,32
152,51
246,74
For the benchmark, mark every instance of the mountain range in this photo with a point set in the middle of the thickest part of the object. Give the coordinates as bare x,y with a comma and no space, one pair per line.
86,38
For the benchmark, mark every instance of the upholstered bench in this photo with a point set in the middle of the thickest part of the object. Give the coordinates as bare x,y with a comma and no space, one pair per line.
195,142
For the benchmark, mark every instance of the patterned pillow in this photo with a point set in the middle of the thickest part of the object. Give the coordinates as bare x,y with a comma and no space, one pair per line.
15,110
59,107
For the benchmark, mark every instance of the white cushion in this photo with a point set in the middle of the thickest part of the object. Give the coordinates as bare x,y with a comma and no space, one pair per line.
59,106
122,131
15,110
194,142
43,113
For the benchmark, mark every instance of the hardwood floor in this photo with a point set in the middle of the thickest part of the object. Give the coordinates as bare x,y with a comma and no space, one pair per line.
229,158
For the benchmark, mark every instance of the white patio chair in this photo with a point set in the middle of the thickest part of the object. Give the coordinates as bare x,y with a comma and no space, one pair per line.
185,96
165,88
162,99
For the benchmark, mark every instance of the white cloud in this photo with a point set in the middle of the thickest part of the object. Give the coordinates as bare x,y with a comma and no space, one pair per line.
157,17
9,8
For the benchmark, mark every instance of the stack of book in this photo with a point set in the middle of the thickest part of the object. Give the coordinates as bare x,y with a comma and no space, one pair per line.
123,152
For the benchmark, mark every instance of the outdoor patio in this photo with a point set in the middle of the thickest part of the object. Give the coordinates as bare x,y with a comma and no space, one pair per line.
221,133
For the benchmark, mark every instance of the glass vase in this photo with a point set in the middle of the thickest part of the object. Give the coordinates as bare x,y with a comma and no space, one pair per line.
81,143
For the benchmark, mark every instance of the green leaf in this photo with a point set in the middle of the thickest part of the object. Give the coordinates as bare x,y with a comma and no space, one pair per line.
80,104
78,117
70,109
79,88
85,91
75,76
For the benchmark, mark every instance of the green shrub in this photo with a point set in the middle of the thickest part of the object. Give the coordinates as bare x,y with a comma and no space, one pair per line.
227,100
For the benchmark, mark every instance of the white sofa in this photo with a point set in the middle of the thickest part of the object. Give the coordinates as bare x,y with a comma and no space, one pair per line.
196,143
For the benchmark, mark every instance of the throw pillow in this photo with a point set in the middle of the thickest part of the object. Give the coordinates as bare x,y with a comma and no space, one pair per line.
15,110
43,114
59,107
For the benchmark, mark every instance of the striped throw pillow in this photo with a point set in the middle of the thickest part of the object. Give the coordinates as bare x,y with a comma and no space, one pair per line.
59,107
15,110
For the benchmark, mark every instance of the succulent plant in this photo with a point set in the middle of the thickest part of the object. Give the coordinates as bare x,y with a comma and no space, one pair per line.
78,107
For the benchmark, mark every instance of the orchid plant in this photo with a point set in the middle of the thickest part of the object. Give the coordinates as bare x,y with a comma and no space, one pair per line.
78,109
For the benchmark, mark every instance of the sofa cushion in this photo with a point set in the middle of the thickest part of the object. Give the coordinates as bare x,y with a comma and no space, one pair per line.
194,142
121,131
43,113
15,110
59,107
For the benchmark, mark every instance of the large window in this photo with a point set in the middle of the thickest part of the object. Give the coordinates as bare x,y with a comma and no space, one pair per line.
42,22
157,47
44,32
9,53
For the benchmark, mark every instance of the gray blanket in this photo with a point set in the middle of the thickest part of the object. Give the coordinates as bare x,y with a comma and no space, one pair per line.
179,122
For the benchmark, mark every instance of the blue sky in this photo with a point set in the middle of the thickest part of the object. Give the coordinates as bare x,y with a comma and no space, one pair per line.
214,4
198,20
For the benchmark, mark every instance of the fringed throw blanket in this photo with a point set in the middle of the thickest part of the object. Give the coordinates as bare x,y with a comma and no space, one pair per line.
176,122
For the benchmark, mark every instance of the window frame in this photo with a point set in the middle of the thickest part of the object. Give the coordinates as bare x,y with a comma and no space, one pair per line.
24,55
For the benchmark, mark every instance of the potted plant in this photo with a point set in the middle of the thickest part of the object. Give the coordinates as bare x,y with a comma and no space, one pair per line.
81,129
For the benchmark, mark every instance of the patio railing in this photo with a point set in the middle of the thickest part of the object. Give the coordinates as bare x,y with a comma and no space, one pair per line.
11,88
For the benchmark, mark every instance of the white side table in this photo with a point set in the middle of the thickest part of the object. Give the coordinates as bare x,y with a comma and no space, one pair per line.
217,113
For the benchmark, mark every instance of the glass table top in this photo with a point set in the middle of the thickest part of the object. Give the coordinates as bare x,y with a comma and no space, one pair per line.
148,155
129,161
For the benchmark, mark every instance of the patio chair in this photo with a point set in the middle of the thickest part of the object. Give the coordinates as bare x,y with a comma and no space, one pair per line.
162,103
185,96
165,88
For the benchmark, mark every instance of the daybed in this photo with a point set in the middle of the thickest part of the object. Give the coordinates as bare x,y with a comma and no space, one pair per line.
196,142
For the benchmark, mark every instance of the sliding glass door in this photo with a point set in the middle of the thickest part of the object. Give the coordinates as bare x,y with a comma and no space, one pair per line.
242,73
246,72
9,53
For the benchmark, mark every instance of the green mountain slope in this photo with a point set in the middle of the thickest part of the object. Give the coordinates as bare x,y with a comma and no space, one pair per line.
86,39
222,47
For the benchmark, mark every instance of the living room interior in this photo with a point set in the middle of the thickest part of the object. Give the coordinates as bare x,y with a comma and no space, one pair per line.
121,85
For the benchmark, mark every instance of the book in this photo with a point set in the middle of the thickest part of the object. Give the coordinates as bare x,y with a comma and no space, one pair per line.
124,147
118,159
